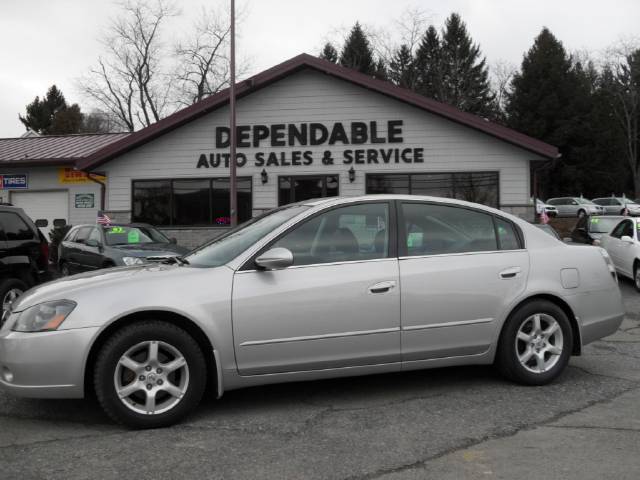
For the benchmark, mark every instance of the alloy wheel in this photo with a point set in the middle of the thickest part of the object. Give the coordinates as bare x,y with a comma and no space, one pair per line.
9,297
539,343
637,278
151,377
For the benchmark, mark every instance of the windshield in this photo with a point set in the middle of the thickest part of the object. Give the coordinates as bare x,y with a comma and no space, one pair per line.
223,249
603,224
584,201
125,235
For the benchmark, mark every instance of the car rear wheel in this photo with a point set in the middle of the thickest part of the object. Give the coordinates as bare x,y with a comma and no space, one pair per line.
581,213
149,375
636,276
10,289
535,344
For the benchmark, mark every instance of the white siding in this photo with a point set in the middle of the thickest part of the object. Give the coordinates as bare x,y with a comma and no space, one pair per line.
309,96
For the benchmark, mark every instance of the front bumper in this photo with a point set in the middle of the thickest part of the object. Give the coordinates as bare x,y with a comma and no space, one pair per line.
45,364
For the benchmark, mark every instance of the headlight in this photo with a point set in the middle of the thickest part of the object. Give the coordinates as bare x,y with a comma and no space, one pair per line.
44,317
133,260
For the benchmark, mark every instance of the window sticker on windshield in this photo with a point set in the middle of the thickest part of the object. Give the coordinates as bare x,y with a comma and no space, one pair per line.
595,220
414,239
133,236
116,230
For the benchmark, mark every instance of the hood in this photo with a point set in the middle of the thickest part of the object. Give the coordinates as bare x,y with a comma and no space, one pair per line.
150,249
70,287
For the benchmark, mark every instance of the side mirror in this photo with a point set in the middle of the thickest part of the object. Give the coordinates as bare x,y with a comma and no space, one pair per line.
92,243
627,239
275,259
42,222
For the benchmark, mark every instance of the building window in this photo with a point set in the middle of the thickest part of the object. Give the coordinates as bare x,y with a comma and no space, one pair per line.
188,202
478,187
297,189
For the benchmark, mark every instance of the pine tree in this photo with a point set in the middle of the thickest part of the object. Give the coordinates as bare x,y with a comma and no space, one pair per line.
52,115
465,76
551,100
329,53
402,68
357,52
428,65
381,72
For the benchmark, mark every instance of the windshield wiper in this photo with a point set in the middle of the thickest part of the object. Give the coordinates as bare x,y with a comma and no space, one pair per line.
181,260
177,259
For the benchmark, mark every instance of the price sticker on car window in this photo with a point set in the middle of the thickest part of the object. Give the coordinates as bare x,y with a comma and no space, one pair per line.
414,239
595,220
116,230
133,236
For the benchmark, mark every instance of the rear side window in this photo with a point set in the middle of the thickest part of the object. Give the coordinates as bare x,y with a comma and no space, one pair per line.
83,234
507,235
71,235
15,228
440,229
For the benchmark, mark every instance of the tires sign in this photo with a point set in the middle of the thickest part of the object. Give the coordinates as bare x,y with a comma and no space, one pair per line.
13,181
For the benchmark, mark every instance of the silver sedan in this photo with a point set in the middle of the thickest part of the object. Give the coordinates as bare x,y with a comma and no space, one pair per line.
326,288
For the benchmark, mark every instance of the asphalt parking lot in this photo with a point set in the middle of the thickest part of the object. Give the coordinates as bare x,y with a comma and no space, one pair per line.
448,423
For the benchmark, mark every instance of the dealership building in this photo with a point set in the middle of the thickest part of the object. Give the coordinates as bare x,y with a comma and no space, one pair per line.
305,128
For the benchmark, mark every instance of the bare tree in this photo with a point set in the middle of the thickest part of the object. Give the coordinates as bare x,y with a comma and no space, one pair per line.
501,73
129,80
623,74
203,60
407,29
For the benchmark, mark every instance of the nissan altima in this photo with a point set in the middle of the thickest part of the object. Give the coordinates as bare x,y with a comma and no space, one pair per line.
325,288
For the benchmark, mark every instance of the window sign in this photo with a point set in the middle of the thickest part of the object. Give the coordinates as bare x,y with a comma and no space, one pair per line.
14,181
85,200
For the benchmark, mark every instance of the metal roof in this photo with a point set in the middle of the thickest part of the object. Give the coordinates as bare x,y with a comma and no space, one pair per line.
294,65
53,149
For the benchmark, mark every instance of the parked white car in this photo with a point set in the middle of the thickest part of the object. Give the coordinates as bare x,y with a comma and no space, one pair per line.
617,205
575,206
623,246
550,210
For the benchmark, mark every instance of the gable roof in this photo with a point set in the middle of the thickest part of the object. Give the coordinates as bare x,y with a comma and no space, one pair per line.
34,150
294,65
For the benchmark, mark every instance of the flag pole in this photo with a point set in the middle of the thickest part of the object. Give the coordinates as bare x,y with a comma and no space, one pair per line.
233,200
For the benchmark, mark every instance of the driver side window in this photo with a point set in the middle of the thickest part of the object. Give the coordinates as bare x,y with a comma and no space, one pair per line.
624,228
352,233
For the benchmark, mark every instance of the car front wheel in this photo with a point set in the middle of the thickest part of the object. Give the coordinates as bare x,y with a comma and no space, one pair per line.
11,289
636,277
150,374
581,213
535,344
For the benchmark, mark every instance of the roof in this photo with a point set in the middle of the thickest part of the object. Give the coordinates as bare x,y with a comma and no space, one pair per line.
53,149
305,61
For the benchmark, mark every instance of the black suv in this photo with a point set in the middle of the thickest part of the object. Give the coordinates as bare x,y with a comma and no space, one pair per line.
24,254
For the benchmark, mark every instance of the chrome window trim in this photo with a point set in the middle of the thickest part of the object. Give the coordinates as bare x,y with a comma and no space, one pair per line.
408,257
346,262
319,337
448,324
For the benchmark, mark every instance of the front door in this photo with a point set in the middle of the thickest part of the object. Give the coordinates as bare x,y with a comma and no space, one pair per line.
622,253
337,306
459,268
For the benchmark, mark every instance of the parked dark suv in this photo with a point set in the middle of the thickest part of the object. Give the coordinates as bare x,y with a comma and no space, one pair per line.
24,254
91,247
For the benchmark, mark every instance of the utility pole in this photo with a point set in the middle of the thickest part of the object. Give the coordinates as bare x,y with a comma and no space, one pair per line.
233,200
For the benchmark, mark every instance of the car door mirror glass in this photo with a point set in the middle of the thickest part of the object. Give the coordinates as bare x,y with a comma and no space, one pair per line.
275,259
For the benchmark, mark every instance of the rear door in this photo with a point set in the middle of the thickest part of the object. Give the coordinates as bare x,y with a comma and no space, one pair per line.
460,269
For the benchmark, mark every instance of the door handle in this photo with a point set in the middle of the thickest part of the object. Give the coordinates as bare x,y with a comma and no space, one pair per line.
510,273
382,287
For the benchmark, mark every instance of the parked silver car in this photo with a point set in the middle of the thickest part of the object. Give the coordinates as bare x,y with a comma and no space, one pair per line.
326,288
575,206
618,205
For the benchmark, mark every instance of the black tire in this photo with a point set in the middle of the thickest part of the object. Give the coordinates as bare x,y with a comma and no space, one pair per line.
581,213
11,285
507,359
126,338
636,276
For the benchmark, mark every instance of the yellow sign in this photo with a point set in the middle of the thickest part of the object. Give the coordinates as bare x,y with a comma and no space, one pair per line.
71,176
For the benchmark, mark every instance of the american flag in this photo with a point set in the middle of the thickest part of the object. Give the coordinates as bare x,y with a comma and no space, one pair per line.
544,218
103,218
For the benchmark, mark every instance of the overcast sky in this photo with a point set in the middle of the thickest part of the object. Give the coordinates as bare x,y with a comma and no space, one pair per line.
55,41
